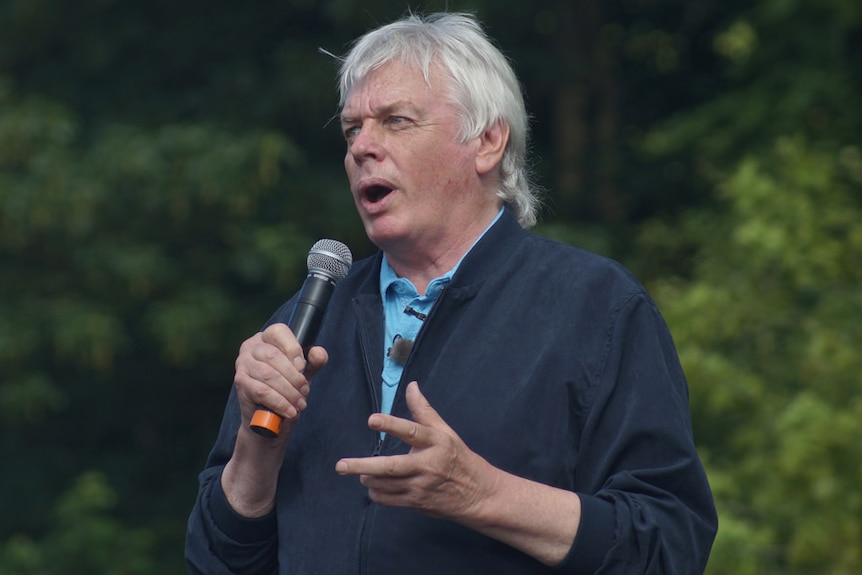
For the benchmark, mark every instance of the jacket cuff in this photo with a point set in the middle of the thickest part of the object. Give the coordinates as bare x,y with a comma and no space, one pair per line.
594,538
241,529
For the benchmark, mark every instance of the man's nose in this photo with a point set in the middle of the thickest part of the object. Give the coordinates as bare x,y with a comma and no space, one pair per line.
366,143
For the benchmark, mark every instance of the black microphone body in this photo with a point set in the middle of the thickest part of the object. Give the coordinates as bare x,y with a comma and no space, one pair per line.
328,262
307,316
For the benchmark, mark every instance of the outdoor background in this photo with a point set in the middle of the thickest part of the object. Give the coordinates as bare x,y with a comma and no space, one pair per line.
166,164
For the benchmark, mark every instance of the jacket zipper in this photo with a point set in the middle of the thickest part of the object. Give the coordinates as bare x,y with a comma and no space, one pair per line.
375,395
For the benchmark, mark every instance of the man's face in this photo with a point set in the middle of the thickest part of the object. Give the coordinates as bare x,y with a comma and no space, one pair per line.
414,183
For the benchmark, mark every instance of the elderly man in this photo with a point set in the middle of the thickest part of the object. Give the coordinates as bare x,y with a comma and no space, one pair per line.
482,400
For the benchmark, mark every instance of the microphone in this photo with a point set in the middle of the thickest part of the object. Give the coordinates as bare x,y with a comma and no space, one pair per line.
328,262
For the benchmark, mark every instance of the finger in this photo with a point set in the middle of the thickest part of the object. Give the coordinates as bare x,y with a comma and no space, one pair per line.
410,432
288,407
266,376
390,466
317,358
259,383
281,337
380,490
267,363
421,409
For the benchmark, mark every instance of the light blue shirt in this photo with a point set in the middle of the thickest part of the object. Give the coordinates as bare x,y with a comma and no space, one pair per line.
399,294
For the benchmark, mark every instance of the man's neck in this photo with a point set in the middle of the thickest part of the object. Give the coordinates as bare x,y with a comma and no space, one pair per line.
422,266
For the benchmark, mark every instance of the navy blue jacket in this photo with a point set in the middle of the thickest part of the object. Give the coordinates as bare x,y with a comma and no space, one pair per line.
550,362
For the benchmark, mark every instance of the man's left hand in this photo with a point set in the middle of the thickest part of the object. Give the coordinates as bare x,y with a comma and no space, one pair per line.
440,476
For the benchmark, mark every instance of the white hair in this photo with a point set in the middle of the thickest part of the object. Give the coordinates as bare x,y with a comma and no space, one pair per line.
483,87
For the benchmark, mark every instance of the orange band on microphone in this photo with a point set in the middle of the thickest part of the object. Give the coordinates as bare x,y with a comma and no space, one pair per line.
266,423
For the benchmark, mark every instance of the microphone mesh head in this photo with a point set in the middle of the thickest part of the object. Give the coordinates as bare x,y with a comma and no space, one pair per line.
330,257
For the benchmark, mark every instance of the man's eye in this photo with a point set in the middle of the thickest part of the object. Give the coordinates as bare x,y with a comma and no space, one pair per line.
397,120
350,132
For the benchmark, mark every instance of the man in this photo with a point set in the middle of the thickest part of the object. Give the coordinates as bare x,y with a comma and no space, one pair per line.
482,400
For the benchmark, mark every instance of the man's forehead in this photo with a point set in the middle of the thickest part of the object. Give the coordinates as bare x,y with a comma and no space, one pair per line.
393,85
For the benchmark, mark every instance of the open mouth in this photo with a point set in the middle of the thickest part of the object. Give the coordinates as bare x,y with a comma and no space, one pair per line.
376,193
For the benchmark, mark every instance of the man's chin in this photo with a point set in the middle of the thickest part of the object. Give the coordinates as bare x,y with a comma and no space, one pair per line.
384,235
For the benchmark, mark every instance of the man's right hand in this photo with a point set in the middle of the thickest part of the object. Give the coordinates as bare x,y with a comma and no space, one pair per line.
271,371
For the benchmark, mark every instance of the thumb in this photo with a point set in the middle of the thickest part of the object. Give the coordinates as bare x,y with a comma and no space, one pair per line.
316,359
421,409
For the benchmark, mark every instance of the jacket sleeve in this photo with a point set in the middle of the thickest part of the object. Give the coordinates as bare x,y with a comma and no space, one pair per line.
219,541
646,504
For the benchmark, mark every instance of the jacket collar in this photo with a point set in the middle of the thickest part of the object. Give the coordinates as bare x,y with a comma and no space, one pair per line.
490,253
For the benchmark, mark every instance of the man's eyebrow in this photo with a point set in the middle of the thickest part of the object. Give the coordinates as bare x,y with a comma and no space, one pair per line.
385,110
398,106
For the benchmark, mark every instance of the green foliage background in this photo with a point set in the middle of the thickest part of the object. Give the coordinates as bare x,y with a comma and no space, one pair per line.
164,167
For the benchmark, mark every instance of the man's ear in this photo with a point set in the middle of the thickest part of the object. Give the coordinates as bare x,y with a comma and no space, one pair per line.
492,143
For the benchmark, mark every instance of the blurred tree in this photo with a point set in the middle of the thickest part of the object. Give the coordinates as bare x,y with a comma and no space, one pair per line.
130,258
765,300
84,538
768,331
